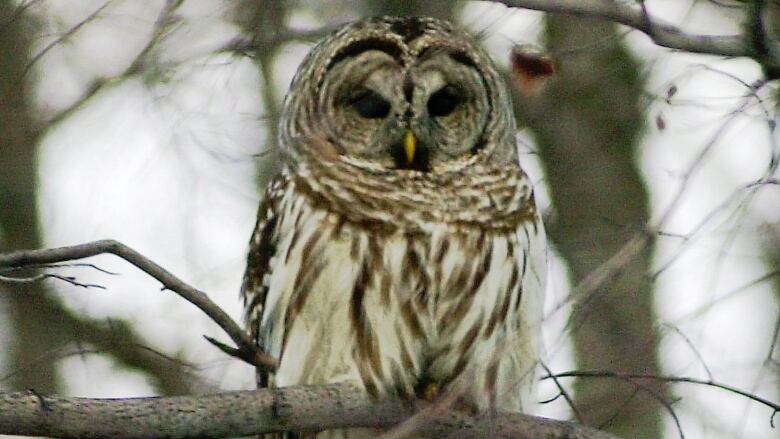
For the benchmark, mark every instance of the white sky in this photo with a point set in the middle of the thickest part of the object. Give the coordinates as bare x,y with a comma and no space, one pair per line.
168,168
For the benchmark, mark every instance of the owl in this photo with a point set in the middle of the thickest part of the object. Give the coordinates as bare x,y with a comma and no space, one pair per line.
400,248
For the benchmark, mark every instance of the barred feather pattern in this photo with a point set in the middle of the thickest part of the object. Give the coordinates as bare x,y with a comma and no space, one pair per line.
388,281
399,277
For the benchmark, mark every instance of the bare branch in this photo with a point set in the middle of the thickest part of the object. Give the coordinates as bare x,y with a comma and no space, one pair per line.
82,265
247,350
667,379
63,38
166,19
562,392
663,34
300,408
39,277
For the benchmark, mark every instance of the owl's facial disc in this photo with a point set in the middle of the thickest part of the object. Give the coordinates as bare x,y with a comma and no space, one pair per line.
449,106
414,116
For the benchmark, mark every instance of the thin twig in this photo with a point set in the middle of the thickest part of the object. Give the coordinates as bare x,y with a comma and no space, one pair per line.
39,277
661,400
668,379
163,23
692,347
564,393
62,38
77,265
247,350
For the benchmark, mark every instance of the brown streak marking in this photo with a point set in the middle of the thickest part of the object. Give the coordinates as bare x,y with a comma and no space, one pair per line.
435,352
410,317
465,349
498,313
302,287
375,261
421,295
385,287
402,386
308,250
368,380
527,240
367,343
482,270
426,243
518,293
362,279
480,241
354,248
406,357
412,259
370,349
444,246
461,309
437,278
299,215
336,232
456,283
510,246
293,241
491,376
413,269
470,336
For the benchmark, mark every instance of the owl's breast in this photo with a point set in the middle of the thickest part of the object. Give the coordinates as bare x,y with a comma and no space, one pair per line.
391,307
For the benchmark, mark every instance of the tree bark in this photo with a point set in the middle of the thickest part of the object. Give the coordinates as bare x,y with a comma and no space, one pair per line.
300,408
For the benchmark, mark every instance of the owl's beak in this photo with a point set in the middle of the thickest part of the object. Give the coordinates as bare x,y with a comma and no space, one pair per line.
410,145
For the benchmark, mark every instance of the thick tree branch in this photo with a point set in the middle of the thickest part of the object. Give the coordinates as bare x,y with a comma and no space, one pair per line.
253,412
246,349
663,34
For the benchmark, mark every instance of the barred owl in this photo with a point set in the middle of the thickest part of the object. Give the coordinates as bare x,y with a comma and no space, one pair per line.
400,248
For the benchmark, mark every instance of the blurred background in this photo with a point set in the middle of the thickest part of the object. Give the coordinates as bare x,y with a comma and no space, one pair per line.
154,123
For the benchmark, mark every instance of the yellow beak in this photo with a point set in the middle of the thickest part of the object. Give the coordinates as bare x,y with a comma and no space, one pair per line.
410,144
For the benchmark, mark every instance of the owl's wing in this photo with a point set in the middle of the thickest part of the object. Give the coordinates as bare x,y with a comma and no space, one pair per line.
262,247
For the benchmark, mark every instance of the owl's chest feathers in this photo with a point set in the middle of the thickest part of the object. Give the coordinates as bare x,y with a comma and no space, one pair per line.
386,304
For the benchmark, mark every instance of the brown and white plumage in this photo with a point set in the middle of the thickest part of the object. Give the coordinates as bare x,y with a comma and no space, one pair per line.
391,272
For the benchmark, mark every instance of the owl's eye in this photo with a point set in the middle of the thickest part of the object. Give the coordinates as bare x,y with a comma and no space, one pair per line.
444,102
370,104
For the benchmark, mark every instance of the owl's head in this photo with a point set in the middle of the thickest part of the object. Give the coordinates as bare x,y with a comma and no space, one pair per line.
408,93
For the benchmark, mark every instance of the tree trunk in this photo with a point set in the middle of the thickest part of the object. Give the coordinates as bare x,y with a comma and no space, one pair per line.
28,331
588,125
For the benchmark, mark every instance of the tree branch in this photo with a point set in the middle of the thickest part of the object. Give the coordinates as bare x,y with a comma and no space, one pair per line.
667,379
247,350
663,34
300,408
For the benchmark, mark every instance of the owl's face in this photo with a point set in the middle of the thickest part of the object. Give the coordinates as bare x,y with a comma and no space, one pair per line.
401,93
